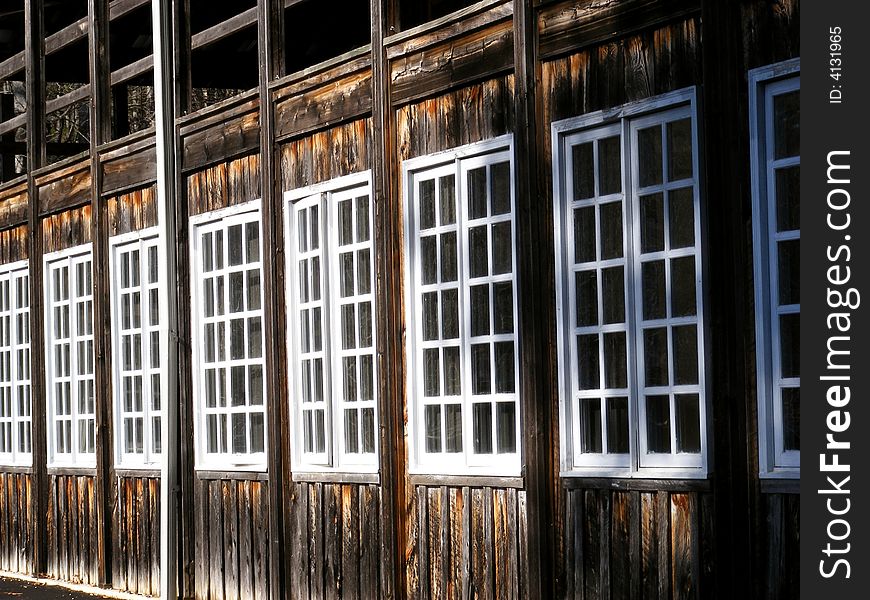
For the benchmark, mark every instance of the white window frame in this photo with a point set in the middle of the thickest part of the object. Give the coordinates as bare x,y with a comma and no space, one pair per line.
16,374
71,258
764,83
326,196
459,161
625,121
222,219
142,241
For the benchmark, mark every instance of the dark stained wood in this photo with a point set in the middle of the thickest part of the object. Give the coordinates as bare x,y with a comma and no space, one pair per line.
16,526
67,188
13,206
296,529
477,55
220,142
336,102
129,170
215,528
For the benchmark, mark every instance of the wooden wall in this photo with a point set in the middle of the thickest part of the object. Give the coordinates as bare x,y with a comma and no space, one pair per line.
332,536
67,229
225,184
232,539
132,211
14,244
326,154
136,534
72,529
17,525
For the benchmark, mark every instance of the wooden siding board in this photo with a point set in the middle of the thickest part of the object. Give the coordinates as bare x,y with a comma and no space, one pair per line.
315,540
215,528
297,536
369,540
350,543
260,521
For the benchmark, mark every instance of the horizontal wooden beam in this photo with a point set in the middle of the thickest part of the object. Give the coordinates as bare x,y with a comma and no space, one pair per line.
77,95
133,70
13,123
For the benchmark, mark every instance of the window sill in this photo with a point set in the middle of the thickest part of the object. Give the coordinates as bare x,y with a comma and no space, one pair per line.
637,484
25,469
73,471
467,481
336,477
780,485
148,472
205,475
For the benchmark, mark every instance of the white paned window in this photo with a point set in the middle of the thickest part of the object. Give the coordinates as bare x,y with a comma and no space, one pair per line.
136,347
775,126
69,361
15,410
228,333
630,306
463,376
330,275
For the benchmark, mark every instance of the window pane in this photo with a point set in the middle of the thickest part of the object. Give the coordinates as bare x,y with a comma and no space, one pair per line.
615,371
368,415
617,425
477,193
433,428
362,219
681,209
431,372
479,295
345,217
688,423
452,375
349,378
482,414
365,324
679,149
790,333
685,340
587,362
348,327
366,378
234,241
611,230
658,424
448,257
584,171
652,221
655,356
650,155
237,389
653,282
240,442
480,369
237,339
502,261
449,314
478,252
506,427
448,199
609,166
252,241
427,204
500,174
351,431
504,367
255,338
258,433
683,299
788,272
453,427
590,423
786,124
791,418
430,316
788,198
253,287
364,271
428,260
255,385
503,307
587,298
584,234
237,290
613,299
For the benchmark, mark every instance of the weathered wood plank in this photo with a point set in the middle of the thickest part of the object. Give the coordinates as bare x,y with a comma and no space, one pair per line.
332,541
350,542
316,526
297,535
663,533
684,544
129,171
369,536
246,552
230,509
260,522
620,547
215,528
334,103
221,142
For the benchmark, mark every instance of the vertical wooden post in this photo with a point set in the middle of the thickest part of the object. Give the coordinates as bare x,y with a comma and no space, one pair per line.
727,211
270,29
534,351
100,132
35,89
390,319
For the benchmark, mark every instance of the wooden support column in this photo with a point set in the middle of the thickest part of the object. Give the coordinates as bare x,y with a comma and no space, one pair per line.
390,318
535,308
726,210
270,30
100,131
34,33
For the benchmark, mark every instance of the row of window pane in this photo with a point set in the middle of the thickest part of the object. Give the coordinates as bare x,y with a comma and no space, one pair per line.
15,397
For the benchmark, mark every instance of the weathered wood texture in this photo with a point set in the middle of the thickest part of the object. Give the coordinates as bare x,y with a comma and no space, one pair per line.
465,542
13,244
632,544
332,534
771,31
17,525
565,27
231,529
72,529
128,167
133,211
13,207
333,102
781,547
136,535
66,229
68,187
453,62
230,133
464,116
327,154
225,184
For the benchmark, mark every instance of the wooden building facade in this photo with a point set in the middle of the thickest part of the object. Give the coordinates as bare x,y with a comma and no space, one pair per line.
474,298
